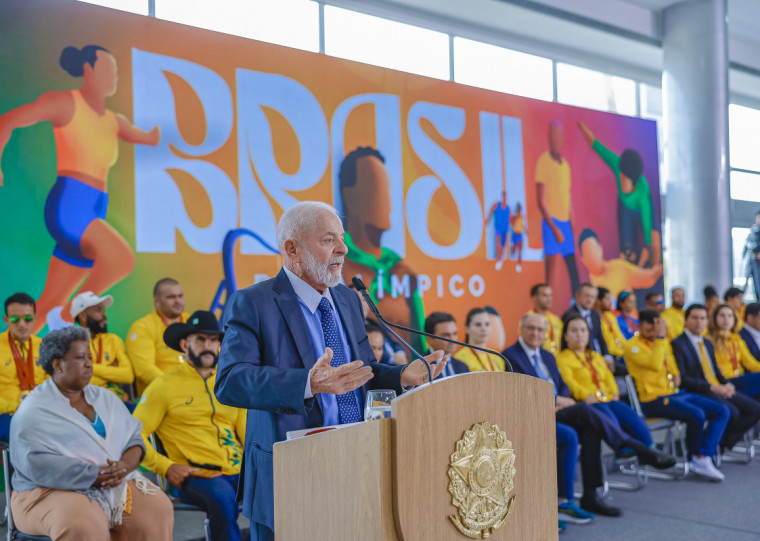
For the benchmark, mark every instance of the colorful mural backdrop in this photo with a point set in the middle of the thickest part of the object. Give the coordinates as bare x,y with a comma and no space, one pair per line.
134,149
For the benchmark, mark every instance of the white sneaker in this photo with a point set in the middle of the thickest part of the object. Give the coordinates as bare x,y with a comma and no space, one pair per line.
499,263
54,320
518,268
704,467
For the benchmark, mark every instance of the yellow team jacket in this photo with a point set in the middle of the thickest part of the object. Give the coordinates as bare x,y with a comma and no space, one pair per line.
10,387
553,337
195,429
734,350
612,334
578,376
480,361
648,364
740,317
674,319
150,356
110,365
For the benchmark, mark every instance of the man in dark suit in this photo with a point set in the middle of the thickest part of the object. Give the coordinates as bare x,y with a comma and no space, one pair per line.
527,357
695,357
585,298
443,324
750,333
285,355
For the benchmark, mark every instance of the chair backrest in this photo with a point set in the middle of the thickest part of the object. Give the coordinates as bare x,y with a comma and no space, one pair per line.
7,472
633,396
161,481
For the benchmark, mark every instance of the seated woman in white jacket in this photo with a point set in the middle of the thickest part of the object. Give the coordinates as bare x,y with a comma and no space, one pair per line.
76,449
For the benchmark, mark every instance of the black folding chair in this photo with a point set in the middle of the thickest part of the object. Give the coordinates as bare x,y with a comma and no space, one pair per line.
13,532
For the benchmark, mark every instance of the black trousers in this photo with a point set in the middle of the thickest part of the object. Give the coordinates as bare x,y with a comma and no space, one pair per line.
745,413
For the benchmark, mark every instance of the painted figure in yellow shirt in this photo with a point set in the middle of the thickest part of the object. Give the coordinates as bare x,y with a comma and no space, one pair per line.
150,356
553,184
111,367
591,381
478,325
541,294
674,316
734,359
613,337
734,297
615,274
202,439
651,364
517,220
20,371
87,136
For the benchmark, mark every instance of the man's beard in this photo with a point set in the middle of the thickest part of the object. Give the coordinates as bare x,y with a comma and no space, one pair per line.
320,271
95,327
196,359
678,304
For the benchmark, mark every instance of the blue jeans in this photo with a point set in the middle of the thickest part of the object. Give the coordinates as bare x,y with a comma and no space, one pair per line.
218,497
694,410
5,426
567,458
630,421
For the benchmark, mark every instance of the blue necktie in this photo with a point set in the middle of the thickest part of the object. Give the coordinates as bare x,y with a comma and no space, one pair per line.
348,409
541,373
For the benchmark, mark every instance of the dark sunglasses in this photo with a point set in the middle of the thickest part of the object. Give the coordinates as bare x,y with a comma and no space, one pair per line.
15,319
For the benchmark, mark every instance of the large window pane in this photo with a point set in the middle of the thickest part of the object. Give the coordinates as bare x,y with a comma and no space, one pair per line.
745,186
133,6
595,90
742,137
385,43
496,68
294,23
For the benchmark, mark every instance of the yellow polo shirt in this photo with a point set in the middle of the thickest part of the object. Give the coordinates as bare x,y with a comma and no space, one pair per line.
578,375
648,364
612,334
110,365
150,356
10,387
674,319
556,177
553,337
734,349
480,361
195,429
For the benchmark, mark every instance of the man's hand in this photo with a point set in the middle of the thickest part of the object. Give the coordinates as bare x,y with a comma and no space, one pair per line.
338,379
562,402
416,373
660,327
557,233
177,473
399,358
610,361
725,391
591,399
677,379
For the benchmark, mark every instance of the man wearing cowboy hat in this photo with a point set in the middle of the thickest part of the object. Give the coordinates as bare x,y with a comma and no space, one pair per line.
202,439
111,367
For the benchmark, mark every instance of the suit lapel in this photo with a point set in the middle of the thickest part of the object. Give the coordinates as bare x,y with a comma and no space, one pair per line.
287,302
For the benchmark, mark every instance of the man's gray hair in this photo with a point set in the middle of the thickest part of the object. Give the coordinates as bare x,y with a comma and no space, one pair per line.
57,343
526,316
300,219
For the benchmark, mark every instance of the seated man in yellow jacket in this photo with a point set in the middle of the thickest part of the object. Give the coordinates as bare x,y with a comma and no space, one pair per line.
19,355
651,364
203,439
110,365
150,355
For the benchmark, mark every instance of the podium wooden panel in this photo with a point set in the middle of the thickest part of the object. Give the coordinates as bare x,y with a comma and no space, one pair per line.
388,479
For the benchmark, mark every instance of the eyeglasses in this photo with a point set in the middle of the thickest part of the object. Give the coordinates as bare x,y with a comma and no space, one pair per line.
15,319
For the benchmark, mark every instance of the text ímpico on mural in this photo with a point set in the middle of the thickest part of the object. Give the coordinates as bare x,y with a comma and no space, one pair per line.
168,150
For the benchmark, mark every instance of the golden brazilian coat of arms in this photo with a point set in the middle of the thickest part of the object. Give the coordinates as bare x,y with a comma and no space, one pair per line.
481,476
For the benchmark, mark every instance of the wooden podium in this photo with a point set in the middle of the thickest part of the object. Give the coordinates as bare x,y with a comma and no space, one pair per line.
389,479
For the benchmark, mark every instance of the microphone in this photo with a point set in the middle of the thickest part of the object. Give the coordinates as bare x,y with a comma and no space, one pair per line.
361,288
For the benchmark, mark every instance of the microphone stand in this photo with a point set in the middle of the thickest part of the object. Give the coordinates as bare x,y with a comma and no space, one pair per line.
362,289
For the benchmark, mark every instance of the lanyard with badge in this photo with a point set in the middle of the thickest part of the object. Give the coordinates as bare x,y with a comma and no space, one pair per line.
600,395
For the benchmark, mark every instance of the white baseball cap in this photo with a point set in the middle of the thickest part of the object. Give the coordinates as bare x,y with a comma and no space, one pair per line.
86,300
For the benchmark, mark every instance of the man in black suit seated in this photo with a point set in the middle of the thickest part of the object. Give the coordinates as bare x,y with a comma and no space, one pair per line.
750,333
444,325
585,298
695,357
592,426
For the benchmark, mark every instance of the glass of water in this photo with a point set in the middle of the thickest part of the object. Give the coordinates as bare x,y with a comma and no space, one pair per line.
378,404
